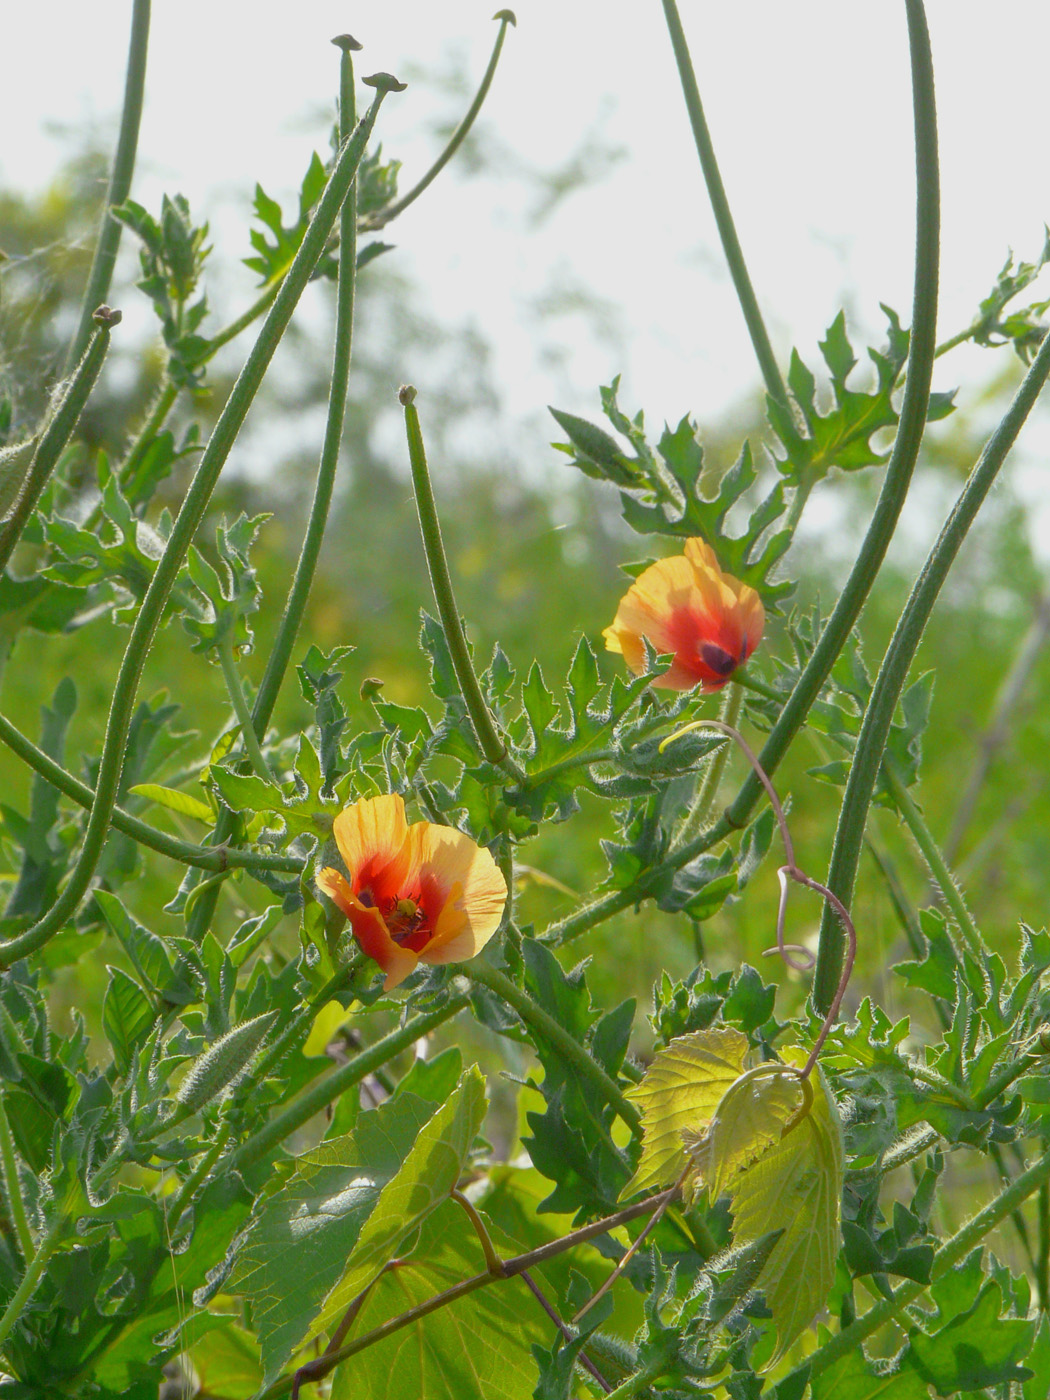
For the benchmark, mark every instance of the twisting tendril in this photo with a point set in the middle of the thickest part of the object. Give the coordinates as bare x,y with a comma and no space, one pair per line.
789,872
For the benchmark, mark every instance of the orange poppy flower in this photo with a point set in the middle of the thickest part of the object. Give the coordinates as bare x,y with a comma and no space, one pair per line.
419,893
686,605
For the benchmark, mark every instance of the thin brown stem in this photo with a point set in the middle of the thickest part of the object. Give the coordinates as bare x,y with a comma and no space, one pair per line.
324,1365
790,871
565,1330
650,1226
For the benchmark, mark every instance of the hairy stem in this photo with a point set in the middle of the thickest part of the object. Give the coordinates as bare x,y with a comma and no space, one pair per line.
732,702
35,1266
381,217
249,738
13,1187
183,530
909,431
291,618
723,218
215,858
57,433
931,853
893,672
949,1254
337,1081
101,274
546,1026
492,745
306,567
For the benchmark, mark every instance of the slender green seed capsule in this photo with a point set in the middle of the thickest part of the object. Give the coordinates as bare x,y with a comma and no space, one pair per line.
222,1062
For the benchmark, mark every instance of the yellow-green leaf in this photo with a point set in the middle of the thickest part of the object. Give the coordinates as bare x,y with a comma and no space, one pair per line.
796,1185
750,1119
175,801
427,1176
680,1092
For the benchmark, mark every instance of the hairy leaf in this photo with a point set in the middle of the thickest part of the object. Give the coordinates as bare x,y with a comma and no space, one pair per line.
797,1185
682,1090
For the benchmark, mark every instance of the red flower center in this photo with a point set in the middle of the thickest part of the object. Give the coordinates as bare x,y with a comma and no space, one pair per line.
409,920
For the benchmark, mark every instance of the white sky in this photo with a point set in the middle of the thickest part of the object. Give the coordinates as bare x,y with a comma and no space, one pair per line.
809,108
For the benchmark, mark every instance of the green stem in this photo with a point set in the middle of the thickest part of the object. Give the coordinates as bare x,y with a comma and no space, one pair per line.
492,745
162,406
931,853
299,1022
35,1267
382,217
571,1050
641,1379
203,857
743,677
723,218
189,517
292,616
706,797
57,433
101,274
998,729
909,432
235,690
798,502
13,1187
262,303
337,1081
893,672
949,1254
563,930
189,1187
1042,1272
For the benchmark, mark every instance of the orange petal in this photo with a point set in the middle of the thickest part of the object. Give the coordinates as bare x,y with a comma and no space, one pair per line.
371,838
685,605
476,894
369,929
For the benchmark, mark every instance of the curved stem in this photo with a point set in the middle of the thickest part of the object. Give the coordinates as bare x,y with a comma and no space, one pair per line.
299,1021
726,228
101,274
183,530
541,1021
249,738
337,1081
382,217
13,1187
292,616
909,431
900,653
215,858
492,1259
155,420
492,745
57,433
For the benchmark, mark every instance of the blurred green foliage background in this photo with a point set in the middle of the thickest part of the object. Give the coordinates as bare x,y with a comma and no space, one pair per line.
535,551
